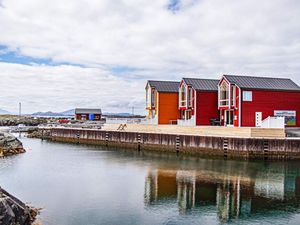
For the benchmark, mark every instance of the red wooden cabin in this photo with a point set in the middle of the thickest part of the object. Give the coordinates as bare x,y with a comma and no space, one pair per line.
88,114
198,101
245,101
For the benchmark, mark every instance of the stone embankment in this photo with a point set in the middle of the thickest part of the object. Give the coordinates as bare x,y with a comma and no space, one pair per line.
8,120
15,212
39,133
10,145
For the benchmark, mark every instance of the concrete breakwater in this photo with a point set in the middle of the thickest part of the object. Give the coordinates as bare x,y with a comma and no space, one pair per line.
228,147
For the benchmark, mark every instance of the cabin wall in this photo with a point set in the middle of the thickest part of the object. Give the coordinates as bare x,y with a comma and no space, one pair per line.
167,108
206,106
268,101
97,117
237,108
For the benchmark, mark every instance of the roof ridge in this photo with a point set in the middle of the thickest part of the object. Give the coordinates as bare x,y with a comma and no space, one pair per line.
200,78
263,82
165,81
252,76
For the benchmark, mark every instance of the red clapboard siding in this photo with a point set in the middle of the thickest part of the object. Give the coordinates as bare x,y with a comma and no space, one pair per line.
268,101
206,107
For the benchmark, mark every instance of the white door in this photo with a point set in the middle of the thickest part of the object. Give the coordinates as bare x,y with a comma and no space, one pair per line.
258,119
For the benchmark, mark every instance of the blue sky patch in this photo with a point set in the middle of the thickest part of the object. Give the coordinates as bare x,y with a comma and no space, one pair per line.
122,69
9,56
174,5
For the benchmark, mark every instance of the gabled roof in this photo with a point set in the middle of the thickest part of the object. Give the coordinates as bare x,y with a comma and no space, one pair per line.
87,111
266,83
164,86
202,84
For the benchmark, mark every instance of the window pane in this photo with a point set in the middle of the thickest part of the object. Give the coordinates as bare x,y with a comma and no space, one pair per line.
247,96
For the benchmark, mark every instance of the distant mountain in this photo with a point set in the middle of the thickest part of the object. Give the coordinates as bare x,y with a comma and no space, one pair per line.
70,112
49,113
117,114
122,115
4,112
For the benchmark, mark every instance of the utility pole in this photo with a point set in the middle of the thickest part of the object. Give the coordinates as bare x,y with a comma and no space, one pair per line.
20,109
132,110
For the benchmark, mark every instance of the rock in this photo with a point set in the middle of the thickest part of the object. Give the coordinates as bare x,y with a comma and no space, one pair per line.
39,133
15,212
16,120
10,145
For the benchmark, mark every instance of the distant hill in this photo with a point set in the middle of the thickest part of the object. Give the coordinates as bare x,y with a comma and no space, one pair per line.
49,113
122,115
117,114
69,112
4,112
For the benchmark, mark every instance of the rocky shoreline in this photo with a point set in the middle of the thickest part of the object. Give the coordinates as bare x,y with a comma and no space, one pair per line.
10,145
12,210
8,120
15,212
39,133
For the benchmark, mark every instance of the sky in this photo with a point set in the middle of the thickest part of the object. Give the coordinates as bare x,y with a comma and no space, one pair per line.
57,55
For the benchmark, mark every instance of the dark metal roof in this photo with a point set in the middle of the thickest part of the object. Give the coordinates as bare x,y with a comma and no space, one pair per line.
202,84
87,111
267,83
164,86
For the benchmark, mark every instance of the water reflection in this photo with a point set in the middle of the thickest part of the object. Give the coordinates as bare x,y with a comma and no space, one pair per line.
77,184
231,195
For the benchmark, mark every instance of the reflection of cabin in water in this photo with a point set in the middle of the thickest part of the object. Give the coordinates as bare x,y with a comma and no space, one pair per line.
232,196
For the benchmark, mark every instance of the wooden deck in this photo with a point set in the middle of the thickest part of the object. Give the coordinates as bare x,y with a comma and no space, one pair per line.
243,132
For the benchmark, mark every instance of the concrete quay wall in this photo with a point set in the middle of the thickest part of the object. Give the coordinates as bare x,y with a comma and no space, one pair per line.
228,147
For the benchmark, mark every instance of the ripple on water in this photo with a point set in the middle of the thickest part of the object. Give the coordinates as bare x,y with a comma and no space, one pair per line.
5,162
77,184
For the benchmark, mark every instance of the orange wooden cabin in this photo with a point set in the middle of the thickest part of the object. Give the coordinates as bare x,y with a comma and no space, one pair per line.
162,102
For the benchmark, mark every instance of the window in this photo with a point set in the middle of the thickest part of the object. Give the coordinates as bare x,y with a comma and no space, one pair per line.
190,99
188,114
148,97
247,96
182,96
233,95
224,94
152,98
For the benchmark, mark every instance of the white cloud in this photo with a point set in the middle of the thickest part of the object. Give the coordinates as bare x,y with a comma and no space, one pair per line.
205,38
66,87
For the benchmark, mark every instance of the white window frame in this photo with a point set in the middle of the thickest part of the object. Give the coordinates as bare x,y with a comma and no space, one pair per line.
226,101
233,96
152,97
247,96
148,97
190,97
183,89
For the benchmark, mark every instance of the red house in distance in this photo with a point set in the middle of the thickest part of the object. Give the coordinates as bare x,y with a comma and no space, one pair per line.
246,101
88,114
198,101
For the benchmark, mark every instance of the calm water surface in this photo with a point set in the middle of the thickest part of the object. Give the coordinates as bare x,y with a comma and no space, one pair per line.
85,185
